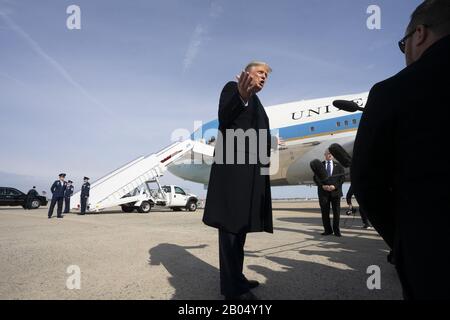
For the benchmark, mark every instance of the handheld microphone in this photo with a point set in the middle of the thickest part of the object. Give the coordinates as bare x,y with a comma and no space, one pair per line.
347,105
340,155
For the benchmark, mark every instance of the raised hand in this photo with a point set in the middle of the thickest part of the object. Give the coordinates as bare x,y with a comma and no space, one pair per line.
246,85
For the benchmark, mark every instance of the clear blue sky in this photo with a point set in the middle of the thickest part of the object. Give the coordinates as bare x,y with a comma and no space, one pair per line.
87,101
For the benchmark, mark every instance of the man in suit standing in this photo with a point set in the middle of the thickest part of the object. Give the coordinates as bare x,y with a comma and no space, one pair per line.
398,173
330,193
239,199
84,196
58,188
67,194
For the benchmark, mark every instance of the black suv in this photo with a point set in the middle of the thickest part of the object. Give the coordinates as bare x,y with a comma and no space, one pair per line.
14,197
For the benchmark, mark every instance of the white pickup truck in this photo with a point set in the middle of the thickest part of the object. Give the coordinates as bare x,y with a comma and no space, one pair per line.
169,196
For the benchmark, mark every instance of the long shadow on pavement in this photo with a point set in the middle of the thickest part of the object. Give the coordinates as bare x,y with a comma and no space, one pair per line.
191,277
320,268
344,275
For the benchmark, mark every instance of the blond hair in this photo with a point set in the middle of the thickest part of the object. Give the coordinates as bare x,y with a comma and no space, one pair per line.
255,63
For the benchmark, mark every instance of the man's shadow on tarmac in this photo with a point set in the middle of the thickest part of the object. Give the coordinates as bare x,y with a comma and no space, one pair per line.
191,277
345,278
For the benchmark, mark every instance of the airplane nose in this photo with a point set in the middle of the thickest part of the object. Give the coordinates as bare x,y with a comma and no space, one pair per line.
187,170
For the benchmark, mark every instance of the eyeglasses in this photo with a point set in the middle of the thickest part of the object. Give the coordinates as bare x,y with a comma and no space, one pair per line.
402,43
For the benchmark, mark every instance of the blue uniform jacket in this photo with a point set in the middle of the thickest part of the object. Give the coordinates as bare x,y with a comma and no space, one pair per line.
58,188
85,190
69,191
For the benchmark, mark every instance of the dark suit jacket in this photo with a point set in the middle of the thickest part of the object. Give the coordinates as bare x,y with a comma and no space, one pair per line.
239,198
400,174
336,179
58,188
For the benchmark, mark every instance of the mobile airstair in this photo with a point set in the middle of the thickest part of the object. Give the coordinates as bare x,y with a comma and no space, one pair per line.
110,190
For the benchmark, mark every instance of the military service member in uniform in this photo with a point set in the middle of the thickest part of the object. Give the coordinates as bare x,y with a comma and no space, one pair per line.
84,194
58,188
68,193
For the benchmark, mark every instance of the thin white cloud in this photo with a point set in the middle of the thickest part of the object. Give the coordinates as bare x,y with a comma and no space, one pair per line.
52,62
194,46
199,36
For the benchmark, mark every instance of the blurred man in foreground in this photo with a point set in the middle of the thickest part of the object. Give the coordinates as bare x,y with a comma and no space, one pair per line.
398,171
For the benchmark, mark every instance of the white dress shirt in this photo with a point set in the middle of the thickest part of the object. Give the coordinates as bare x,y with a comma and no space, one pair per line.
245,103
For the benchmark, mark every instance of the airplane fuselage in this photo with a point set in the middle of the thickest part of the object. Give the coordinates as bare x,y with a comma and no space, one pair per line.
304,130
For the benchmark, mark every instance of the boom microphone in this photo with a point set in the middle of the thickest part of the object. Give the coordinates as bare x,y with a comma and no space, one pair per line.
319,170
340,155
347,105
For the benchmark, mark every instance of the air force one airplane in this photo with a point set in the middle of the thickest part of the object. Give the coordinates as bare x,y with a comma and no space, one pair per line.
301,132
304,130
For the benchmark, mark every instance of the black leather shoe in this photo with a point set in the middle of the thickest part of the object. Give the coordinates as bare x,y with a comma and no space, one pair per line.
326,233
60,217
338,234
245,296
252,284
49,217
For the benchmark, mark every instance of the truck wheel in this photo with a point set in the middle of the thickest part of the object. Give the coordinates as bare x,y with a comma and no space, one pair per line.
35,204
145,207
127,209
192,206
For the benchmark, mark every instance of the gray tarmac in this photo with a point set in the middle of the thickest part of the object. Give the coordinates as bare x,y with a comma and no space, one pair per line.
173,255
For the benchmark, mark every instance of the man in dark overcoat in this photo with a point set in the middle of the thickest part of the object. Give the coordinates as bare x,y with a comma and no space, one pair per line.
239,199
399,172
